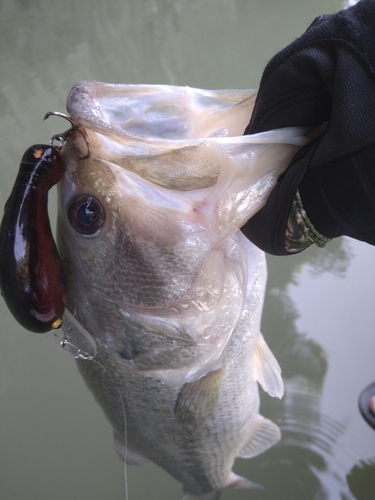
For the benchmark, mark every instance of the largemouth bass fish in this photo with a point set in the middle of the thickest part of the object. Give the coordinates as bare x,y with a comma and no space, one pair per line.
163,280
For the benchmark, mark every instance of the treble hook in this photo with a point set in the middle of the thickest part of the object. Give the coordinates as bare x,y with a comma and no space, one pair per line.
62,138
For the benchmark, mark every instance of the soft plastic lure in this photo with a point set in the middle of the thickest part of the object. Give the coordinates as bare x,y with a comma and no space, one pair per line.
31,274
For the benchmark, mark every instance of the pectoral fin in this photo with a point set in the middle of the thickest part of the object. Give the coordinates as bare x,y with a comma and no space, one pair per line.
267,369
199,399
264,435
128,455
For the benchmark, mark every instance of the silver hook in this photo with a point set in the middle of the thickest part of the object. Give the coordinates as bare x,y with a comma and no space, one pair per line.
77,353
62,138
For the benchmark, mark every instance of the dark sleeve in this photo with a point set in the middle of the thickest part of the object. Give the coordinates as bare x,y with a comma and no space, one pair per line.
326,75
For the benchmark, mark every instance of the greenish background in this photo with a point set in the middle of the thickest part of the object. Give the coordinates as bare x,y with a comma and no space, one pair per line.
319,312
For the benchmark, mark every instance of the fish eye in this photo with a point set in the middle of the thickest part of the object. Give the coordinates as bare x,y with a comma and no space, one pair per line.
86,215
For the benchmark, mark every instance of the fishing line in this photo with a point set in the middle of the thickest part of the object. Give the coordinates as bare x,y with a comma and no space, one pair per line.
125,436
74,339
125,426
126,448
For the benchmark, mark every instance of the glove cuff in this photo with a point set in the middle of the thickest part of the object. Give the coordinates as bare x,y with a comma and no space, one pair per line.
300,232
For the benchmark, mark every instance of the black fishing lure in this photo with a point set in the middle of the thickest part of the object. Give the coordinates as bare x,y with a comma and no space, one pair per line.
31,274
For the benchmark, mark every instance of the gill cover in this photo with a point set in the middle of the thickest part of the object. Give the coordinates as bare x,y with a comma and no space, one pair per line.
31,274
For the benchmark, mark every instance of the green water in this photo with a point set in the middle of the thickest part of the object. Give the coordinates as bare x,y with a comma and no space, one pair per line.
319,315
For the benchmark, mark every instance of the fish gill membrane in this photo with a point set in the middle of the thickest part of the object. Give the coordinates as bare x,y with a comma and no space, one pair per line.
161,278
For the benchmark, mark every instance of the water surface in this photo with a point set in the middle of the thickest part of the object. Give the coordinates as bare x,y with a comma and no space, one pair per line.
318,317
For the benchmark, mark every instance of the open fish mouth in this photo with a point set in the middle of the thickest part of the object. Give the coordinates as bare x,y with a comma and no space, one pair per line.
153,112
177,137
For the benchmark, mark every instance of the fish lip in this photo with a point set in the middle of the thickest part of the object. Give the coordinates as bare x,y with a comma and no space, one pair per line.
76,99
83,105
81,101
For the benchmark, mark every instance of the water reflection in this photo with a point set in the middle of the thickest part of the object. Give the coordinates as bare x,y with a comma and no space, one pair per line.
309,444
313,443
311,447
298,353
361,480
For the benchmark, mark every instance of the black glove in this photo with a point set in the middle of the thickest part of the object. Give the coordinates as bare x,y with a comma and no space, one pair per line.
328,190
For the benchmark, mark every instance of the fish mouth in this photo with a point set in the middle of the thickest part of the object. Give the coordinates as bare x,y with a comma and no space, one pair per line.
176,137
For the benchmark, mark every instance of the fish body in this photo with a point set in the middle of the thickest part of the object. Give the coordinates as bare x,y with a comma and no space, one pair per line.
163,280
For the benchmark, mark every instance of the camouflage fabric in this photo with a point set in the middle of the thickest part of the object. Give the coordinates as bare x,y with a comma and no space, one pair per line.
300,233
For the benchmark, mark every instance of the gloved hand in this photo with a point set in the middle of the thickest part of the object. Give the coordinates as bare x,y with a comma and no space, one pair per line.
328,190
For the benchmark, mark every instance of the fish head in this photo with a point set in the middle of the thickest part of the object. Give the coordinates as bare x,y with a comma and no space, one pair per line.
145,241
148,223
